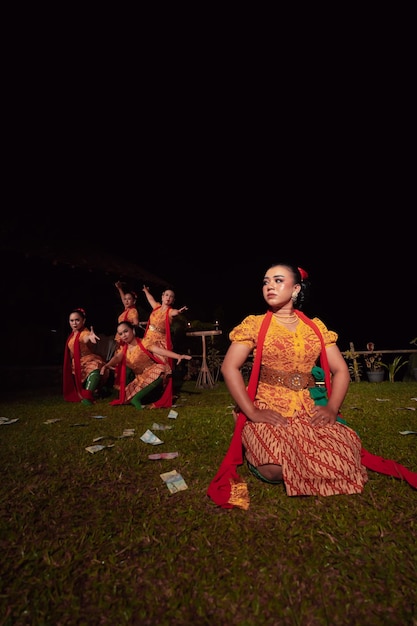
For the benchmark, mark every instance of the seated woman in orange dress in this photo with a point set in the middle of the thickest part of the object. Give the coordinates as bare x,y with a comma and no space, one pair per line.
141,368
286,437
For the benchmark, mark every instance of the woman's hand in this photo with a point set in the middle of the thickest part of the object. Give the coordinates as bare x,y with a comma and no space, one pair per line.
268,416
323,416
93,337
187,357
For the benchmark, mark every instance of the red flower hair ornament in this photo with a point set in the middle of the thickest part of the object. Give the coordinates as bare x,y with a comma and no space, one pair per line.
303,273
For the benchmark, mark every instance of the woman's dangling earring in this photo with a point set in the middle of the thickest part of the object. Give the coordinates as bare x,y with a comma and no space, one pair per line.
294,297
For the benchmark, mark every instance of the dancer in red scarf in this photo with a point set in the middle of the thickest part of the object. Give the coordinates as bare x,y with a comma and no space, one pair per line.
158,333
141,368
284,435
130,312
81,370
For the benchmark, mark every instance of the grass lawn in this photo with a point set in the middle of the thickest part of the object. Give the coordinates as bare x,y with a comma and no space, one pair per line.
98,539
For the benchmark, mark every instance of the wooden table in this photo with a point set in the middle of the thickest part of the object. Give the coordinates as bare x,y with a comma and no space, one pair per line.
205,379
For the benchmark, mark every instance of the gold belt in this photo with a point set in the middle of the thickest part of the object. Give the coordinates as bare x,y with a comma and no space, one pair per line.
293,380
155,328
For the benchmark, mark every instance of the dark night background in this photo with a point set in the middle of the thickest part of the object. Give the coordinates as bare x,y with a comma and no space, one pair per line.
363,280
205,187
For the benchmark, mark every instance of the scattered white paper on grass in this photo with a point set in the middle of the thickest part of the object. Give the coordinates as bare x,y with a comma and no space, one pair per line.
163,455
156,426
97,448
149,437
383,399
173,414
174,481
408,432
5,421
128,432
52,421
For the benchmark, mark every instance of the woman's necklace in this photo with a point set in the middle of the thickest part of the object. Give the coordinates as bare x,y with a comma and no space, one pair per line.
291,318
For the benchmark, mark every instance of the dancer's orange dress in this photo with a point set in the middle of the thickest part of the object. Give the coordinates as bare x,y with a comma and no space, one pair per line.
146,367
158,333
315,461
79,362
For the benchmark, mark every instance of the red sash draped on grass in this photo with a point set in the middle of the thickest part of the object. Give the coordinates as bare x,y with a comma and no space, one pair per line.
72,386
228,490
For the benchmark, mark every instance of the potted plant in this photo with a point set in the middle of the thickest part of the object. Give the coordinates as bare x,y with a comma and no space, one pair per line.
393,367
374,367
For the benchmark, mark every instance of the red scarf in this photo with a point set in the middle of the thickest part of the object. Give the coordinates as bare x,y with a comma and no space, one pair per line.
122,369
228,490
125,314
72,386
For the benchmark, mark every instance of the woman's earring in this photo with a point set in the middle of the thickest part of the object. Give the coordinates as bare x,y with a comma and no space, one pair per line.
294,297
